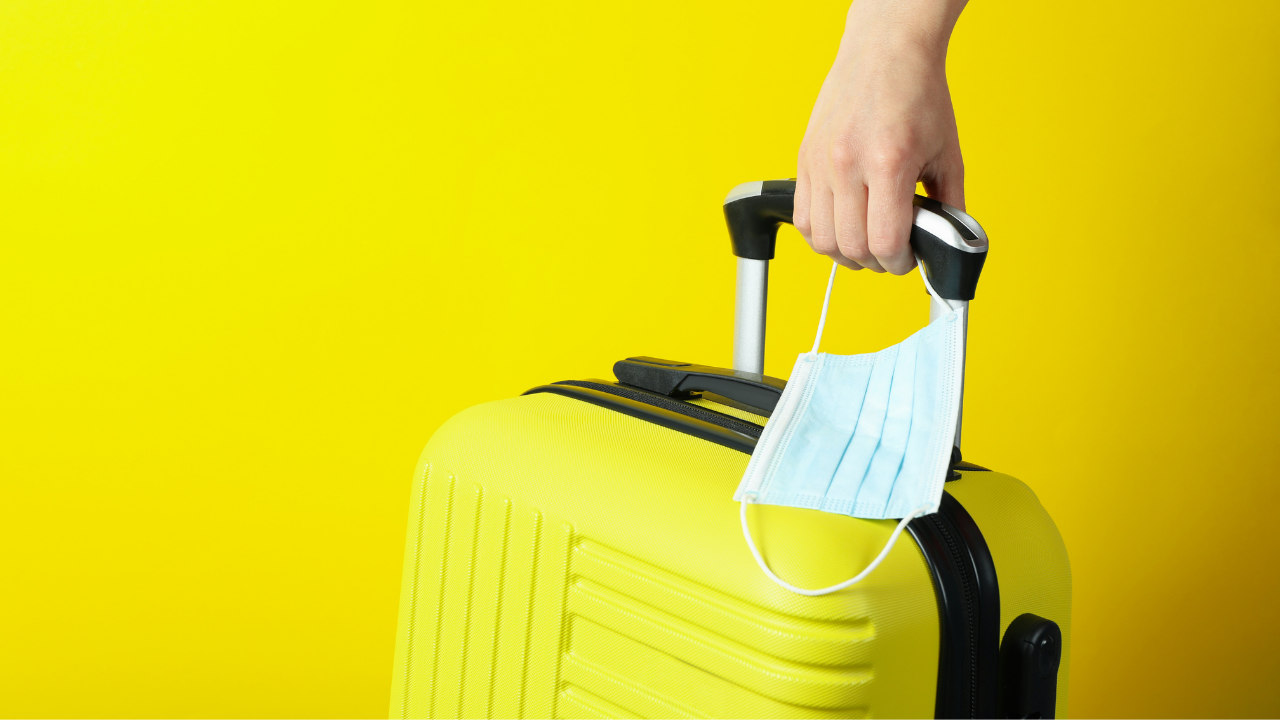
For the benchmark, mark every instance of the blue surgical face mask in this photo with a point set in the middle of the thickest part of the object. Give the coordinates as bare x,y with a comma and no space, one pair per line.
863,435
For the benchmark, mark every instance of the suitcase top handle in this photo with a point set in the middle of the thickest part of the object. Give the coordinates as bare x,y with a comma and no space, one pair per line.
951,244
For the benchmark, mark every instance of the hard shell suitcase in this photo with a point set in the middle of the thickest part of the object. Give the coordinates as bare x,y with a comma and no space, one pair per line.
576,552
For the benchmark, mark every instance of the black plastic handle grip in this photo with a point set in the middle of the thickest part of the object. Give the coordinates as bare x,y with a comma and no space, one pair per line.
680,379
950,243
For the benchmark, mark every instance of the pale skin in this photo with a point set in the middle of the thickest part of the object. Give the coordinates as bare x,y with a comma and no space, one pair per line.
882,122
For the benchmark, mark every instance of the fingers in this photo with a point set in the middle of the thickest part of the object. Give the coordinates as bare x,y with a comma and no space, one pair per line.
814,216
800,207
850,221
823,232
889,215
859,213
822,224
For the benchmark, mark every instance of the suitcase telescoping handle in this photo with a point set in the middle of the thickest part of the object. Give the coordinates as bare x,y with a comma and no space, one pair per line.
950,244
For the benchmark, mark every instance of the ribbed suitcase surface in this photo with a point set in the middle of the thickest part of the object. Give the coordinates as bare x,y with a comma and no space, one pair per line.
565,560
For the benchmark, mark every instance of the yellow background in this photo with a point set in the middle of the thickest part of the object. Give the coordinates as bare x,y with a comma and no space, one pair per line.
253,254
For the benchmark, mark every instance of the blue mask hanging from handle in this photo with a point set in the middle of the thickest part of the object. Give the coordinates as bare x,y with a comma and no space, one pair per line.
863,435
871,435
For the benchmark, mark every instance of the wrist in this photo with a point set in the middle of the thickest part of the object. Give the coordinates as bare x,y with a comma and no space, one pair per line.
920,28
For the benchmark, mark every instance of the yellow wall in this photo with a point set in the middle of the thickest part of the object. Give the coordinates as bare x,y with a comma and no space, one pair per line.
252,254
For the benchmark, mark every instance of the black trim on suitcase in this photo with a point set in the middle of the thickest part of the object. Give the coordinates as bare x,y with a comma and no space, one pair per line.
682,417
964,580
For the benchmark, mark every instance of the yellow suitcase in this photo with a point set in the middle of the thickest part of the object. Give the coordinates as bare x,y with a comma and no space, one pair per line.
576,552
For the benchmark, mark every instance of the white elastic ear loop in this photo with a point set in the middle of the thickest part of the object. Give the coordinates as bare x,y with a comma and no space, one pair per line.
826,302
933,293
746,533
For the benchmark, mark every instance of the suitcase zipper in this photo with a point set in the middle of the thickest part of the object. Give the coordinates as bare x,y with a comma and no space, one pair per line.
964,579
970,611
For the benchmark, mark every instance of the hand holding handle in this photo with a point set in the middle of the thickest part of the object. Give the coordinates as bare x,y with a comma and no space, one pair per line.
950,244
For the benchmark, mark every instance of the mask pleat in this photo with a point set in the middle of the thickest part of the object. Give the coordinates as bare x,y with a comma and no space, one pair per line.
814,449
926,422
857,456
882,474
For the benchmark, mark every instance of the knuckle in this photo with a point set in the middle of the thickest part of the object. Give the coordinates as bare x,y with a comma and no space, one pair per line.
856,252
843,155
888,158
884,245
801,222
812,157
823,243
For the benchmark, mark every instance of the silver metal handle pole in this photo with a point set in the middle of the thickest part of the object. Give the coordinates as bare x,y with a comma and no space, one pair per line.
937,310
750,304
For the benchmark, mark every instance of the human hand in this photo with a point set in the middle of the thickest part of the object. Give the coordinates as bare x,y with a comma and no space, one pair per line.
883,121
